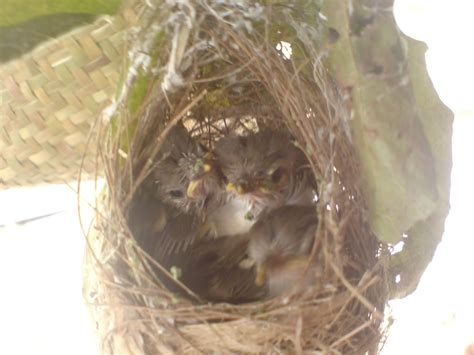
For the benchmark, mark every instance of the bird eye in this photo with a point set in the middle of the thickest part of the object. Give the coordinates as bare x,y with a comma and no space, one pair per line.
176,193
277,175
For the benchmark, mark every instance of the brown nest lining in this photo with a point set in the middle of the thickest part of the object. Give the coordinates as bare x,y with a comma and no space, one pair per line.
221,68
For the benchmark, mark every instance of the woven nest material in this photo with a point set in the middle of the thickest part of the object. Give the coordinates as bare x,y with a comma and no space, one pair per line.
224,68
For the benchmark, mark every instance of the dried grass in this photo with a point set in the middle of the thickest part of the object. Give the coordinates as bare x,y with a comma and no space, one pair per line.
231,78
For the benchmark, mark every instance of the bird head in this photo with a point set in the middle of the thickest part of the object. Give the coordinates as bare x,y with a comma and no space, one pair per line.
258,167
260,182
204,176
172,183
185,172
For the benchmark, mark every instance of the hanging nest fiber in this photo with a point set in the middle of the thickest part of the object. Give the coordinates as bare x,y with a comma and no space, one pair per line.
233,67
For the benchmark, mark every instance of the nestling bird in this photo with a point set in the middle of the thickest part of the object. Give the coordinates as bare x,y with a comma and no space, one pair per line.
189,178
280,245
208,267
162,207
264,171
216,272
162,217
186,174
192,205
161,230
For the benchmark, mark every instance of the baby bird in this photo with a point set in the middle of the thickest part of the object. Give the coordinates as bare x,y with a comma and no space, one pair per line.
210,268
162,213
280,245
217,272
161,230
168,218
264,171
186,174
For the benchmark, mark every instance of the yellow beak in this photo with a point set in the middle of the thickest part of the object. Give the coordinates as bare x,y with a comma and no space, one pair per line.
298,262
193,188
207,168
240,189
201,167
261,276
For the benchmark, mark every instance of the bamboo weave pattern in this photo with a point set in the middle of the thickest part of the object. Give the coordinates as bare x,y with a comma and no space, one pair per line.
49,99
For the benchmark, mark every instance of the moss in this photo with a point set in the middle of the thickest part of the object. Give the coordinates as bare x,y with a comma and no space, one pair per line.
217,99
138,93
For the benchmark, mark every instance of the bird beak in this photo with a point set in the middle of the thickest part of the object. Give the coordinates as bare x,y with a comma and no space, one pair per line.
264,189
194,188
261,276
207,167
298,262
239,188
201,167
247,264
230,187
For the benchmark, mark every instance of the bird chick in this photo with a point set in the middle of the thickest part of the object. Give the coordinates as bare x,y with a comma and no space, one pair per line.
209,267
280,244
160,229
186,174
170,236
264,171
217,272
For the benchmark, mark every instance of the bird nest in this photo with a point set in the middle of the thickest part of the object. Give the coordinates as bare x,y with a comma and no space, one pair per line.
220,69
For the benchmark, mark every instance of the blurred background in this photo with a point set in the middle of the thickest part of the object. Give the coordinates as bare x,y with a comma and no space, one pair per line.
41,306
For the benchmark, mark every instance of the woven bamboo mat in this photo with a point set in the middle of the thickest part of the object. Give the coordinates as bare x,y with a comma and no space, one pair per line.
50,98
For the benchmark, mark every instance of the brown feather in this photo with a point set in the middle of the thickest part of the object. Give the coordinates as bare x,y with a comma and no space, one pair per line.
277,240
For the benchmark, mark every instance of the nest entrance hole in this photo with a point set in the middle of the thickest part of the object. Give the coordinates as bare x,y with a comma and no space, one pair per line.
241,84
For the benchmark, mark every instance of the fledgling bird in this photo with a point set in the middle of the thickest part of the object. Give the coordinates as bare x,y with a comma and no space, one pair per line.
211,268
160,229
189,178
264,171
217,273
163,199
163,219
280,245
186,174
169,218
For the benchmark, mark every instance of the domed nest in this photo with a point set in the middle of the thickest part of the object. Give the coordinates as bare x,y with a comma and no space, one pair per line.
208,85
